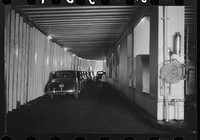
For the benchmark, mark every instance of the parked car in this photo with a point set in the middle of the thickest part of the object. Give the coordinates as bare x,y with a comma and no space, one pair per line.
87,76
91,75
63,82
80,79
99,74
84,76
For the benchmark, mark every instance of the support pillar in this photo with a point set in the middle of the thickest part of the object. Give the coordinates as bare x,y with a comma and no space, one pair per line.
165,22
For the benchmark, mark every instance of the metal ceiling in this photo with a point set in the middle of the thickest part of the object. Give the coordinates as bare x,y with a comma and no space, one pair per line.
88,30
85,30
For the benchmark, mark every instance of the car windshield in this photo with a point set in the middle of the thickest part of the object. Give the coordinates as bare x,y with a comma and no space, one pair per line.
64,74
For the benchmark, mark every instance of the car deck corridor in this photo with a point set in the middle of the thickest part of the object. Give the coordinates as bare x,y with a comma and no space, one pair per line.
97,110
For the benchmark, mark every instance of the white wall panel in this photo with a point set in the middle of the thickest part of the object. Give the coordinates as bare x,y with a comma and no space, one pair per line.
7,55
11,53
30,57
19,74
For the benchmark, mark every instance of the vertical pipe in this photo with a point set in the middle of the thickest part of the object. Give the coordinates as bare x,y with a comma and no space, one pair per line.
45,71
27,64
34,72
69,61
25,36
41,64
50,55
164,47
66,60
40,60
47,54
177,109
20,78
53,56
59,60
30,65
23,62
7,54
46,51
56,57
46,60
59,56
36,66
35,55
5,13
186,61
16,49
16,61
33,65
6,61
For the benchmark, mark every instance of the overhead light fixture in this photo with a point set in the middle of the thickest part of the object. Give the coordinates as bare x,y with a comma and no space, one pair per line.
65,49
142,19
49,37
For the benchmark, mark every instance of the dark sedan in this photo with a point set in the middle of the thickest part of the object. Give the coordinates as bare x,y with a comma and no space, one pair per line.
63,82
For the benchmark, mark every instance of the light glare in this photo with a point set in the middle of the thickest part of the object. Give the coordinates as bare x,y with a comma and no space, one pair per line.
49,37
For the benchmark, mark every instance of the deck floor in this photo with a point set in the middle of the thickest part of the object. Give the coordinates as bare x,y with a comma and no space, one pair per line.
97,110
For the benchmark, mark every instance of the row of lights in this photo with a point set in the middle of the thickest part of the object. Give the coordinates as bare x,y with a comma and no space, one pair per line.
65,49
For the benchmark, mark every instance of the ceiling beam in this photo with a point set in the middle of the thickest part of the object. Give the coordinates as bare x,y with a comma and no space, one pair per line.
81,14
33,8
66,11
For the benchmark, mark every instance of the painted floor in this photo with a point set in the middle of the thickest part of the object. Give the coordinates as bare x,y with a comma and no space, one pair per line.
98,110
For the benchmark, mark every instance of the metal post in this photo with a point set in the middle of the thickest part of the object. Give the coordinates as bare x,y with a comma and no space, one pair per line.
164,47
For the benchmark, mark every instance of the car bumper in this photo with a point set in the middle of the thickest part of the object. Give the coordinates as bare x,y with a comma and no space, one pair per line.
70,91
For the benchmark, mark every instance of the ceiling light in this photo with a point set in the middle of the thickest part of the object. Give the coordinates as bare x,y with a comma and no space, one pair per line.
49,37
142,19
